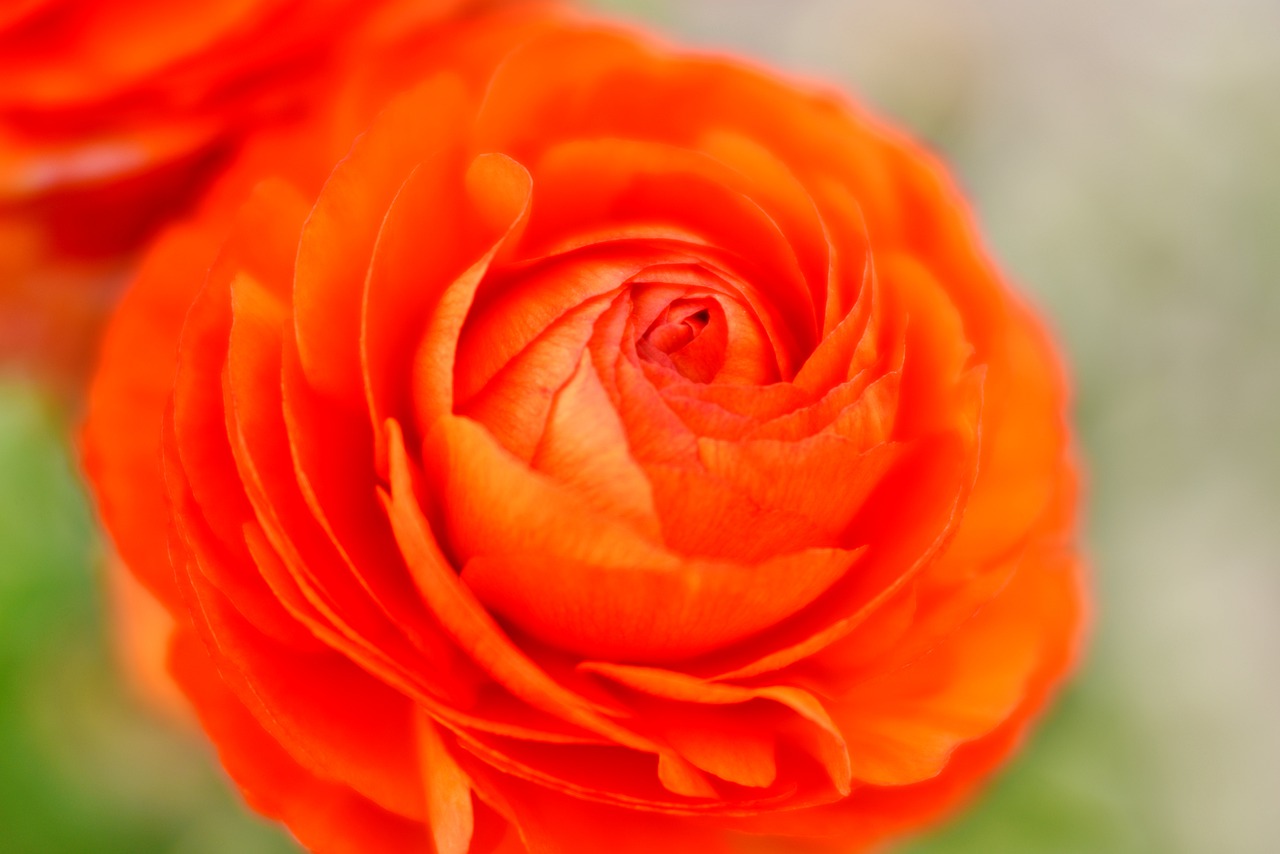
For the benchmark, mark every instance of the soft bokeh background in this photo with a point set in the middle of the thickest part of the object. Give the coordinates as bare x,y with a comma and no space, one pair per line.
1125,161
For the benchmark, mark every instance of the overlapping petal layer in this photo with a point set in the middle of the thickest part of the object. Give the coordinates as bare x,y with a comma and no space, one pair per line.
611,444
111,113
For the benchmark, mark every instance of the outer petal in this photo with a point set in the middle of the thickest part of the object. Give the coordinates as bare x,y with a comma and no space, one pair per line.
121,440
327,817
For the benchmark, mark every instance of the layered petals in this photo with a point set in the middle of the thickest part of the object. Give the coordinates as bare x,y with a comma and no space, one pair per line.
606,448
112,114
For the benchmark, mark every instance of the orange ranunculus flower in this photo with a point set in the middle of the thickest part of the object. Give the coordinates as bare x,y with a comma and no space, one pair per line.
111,113
611,449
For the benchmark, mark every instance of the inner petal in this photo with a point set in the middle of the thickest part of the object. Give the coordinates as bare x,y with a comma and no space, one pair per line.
690,337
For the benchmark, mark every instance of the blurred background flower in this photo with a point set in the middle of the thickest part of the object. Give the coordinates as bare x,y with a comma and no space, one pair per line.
1123,161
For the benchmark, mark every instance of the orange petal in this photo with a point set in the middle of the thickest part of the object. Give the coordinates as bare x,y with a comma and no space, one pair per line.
338,242
333,718
584,447
549,822
873,813
470,625
590,182
448,790
646,613
515,403
501,187
827,478
729,747
822,737
901,544
326,816
121,440
293,552
903,726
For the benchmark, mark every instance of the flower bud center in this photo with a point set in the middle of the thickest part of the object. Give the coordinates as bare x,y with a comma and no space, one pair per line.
674,339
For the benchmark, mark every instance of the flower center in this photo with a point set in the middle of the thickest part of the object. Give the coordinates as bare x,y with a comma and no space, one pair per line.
676,339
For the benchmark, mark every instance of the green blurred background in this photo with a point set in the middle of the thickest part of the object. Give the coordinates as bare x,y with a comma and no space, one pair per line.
1125,161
